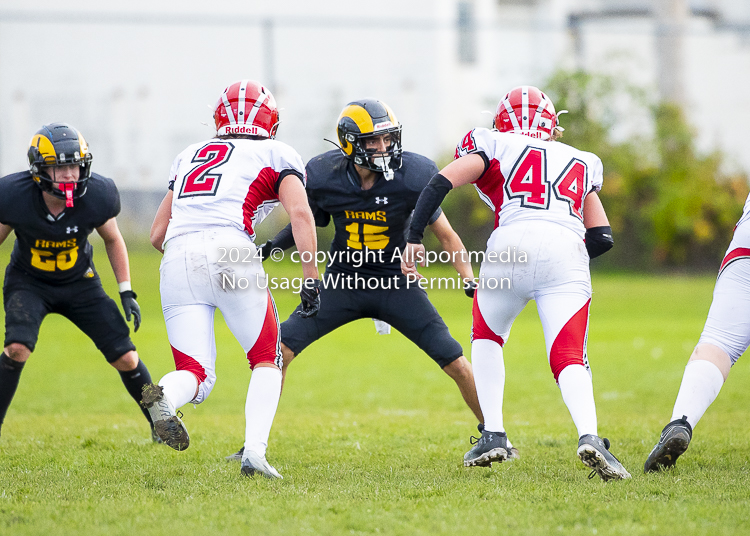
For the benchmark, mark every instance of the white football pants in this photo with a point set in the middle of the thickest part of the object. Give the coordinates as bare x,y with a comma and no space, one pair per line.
208,270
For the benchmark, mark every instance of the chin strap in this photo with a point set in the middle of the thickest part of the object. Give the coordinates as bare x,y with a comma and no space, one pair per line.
68,188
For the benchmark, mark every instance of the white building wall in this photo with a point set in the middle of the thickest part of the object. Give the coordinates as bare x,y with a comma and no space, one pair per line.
138,78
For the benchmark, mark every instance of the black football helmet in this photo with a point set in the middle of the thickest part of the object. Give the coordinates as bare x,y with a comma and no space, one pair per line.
59,144
366,118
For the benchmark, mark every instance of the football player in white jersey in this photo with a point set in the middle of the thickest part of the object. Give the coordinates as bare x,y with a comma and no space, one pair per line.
725,338
549,222
219,190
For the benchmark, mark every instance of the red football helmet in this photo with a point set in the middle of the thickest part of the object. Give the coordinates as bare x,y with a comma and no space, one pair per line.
526,110
246,107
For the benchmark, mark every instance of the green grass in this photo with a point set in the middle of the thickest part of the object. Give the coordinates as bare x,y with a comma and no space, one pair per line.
370,433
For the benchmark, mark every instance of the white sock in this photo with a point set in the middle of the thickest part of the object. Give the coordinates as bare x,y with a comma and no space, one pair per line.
179,387
489,377
260,408
578,394
700,386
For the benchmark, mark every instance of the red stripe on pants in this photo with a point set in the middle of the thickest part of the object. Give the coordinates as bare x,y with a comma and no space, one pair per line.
267,349
570,342
185,362
479,328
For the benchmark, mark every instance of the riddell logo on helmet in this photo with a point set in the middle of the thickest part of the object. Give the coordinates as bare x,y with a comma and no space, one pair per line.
242,129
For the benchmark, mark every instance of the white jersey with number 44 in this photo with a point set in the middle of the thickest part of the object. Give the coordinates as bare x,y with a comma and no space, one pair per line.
532,179
228,183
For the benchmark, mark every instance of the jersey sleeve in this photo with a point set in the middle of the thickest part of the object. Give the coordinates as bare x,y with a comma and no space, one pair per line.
107,204
116,204
322,218
4,204
287,161
173,173
597,175
477,140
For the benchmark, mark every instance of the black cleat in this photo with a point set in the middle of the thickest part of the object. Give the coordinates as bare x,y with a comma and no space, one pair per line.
513,453
491,447
673,442
167,424
594,452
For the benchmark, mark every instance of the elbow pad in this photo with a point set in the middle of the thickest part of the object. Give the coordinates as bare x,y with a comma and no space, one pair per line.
599,240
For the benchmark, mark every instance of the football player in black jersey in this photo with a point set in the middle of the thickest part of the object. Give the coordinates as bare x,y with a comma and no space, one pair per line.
369,189
53,208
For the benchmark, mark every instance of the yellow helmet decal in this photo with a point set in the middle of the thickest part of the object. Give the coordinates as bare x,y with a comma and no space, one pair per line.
43,143
361,118
83,144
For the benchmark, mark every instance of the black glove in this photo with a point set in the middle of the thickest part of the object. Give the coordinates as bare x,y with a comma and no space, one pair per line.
130,306
469,288
310,296
265,250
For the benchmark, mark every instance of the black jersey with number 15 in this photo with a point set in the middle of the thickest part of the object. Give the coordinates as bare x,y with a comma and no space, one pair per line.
55,250
373,219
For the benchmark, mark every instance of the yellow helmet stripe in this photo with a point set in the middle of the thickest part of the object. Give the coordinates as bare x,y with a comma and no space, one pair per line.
84,146
45,146
360,116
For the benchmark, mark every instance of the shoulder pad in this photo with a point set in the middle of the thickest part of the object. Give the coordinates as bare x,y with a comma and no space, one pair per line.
416,171
320,169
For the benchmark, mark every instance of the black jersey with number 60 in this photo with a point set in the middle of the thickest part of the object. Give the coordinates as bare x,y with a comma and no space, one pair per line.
369,224
55,250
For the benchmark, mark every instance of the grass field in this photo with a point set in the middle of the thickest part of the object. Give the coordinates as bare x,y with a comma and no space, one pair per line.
370,434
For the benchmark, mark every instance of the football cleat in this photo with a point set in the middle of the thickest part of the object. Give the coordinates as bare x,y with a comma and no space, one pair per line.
513,453
491,447
594,452
253,464
673,442
155,437
237,456
167,424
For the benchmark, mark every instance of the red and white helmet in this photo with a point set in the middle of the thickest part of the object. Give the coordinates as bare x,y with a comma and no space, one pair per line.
246,107
526,110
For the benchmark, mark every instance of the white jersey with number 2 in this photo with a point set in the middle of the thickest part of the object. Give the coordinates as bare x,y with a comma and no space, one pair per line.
532,179
228,183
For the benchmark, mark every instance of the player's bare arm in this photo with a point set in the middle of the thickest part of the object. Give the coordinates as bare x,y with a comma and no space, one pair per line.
598,232
161,221
117,252
451,242
293,198
465,170
4,232
593,212
459,172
